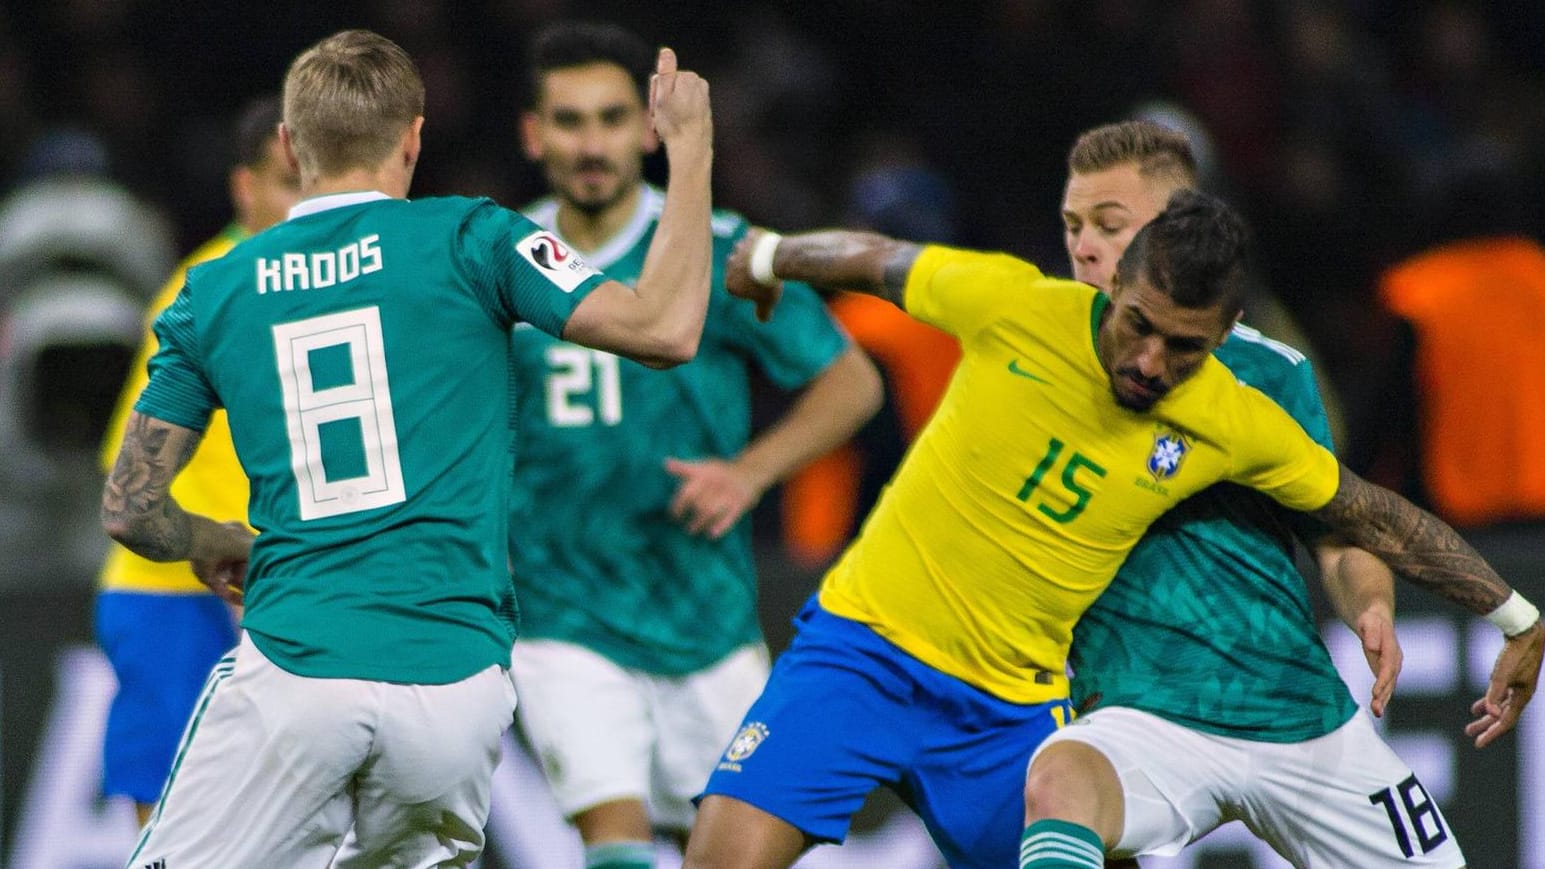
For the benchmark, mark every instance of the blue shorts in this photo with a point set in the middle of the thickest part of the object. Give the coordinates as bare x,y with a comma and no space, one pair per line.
845,711
162,647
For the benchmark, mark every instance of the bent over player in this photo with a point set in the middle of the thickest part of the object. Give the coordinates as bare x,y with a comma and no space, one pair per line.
932,659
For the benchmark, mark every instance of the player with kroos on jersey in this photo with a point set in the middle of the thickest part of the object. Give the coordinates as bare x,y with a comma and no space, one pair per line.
361,351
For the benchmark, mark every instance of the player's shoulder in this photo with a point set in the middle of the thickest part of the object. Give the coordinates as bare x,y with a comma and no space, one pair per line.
1250,343
214,248
995,271
450,206
1263,362
210,251
542,212
943,254
1250,372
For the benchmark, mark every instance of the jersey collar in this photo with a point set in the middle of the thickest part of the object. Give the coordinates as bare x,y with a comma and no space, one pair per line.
319,204
650,202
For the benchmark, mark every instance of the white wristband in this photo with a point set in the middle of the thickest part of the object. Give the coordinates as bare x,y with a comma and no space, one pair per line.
762,258
1515,616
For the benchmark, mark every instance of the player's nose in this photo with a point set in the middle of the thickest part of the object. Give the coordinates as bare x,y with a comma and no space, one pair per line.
1151,360
1084,248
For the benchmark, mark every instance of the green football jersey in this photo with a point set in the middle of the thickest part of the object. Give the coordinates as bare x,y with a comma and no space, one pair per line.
597,559
1208,623
361,350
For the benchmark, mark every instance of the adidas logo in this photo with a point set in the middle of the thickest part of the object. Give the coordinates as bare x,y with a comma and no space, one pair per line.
158,864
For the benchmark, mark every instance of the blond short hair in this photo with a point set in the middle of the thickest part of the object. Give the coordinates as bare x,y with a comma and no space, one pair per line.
1158,151
347,100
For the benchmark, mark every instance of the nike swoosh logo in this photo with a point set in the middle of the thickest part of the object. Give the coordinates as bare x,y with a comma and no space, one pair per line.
1015,369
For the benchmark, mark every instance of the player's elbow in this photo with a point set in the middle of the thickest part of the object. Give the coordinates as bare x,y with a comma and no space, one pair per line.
117,527
869,387
122,527
669,351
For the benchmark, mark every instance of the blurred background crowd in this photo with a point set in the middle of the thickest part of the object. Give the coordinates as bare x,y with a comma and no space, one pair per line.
1353,133
1357,135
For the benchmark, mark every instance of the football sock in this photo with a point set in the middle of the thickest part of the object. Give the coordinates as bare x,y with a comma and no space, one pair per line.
1050,844
620,855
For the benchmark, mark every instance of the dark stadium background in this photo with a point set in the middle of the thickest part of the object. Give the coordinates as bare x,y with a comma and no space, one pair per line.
1340,127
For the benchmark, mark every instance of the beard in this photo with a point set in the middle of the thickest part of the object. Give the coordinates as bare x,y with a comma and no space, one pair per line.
1152,389
592,198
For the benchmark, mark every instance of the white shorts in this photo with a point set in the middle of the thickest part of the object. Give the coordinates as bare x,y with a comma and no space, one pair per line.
1344,799
604,733
273,768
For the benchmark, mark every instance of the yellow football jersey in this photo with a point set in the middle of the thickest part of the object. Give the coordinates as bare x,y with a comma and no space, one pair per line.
1019,500
212,484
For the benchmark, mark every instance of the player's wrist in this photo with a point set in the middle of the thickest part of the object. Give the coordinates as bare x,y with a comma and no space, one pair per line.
1375,615
1515,616
762,258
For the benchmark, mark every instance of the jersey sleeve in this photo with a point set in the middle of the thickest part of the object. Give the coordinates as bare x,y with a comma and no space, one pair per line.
962,292
520,271
178,391
1275,455
1302,401
134,381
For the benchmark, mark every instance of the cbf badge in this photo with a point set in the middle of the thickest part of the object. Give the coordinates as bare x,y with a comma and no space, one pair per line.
1169,450
744,743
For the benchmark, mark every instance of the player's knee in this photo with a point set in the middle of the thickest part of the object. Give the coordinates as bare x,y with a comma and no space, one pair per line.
730,834
1041,783
1059,783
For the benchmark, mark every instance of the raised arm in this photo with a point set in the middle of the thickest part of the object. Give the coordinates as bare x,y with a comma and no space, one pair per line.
138,509
660,321
1425,550
715,493
1361,588
836,259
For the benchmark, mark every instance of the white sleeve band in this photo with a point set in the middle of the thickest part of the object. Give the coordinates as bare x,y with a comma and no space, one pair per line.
762,258
1515,616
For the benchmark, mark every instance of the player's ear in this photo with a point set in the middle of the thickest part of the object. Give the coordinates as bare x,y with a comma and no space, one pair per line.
531,135
413,141
651,140
241,181
288,145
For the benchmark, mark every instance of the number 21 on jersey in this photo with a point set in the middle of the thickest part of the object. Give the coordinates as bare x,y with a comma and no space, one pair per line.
583,387
338,413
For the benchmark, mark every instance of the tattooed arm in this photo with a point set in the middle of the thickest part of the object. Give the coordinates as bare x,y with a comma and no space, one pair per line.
139,511
864,262
1426,551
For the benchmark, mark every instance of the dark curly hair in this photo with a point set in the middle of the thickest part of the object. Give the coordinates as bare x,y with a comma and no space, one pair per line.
568,44
1195,252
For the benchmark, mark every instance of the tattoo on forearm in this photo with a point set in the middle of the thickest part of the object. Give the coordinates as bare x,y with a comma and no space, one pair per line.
137,495
1414,543
842,260
897,267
